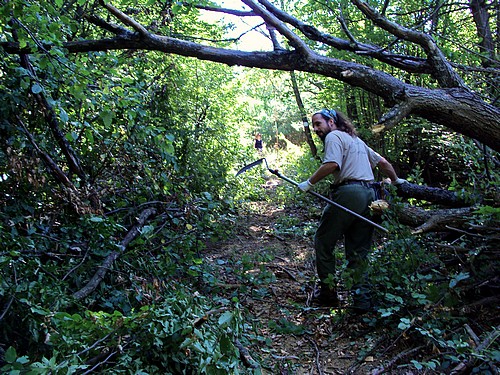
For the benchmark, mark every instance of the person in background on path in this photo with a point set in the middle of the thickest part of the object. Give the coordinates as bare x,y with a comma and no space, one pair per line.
350,161
258,143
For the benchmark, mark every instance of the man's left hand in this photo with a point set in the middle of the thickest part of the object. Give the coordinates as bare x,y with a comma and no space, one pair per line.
305,186
399,181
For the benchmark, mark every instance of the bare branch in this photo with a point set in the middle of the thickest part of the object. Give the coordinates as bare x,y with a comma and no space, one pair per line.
111,27
407,63
51,164
443,71
126,20
271,19
233,12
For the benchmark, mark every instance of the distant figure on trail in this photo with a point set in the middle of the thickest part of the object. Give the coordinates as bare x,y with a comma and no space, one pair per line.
258,143
350,161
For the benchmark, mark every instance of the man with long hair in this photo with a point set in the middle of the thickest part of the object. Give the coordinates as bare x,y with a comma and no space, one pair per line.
350,161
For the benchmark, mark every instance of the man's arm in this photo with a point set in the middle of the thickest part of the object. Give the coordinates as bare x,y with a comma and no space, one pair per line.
389,171
323,171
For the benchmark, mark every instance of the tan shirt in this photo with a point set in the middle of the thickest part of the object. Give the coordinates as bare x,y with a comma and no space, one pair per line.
355,159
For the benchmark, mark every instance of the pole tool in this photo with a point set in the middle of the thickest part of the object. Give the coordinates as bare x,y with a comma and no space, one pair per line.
325,199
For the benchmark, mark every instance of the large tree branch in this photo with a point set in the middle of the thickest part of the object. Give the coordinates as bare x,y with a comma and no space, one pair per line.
233,12
126,20
442,70
408,63
458,109
434,220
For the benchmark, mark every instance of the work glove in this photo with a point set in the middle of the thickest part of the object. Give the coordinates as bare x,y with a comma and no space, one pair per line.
305,186
399,181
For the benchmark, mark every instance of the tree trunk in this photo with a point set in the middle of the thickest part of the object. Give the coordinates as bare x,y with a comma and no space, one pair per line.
433,195
434,220
305,121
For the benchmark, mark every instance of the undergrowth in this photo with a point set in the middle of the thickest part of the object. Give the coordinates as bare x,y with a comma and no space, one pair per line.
155,311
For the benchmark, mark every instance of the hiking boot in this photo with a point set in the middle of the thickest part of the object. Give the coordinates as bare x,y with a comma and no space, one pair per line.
326,296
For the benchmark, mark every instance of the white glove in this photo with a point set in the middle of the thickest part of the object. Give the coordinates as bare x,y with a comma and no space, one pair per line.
305,186
399,181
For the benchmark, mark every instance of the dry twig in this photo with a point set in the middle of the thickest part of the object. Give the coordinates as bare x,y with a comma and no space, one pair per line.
396,359
245,356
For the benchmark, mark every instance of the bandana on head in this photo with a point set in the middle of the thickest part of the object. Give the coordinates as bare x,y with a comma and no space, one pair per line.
329,113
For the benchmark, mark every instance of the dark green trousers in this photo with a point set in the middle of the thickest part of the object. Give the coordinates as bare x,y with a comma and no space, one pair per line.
335,223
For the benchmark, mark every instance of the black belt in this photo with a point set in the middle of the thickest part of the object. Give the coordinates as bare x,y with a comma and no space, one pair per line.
352,182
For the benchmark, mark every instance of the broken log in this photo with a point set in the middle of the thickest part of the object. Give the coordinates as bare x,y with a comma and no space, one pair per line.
434,220
433,195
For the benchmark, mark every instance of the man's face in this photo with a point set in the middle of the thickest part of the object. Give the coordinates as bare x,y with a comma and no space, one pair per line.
321,126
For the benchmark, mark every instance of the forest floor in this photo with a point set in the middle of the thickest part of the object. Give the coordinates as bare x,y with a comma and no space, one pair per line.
272,274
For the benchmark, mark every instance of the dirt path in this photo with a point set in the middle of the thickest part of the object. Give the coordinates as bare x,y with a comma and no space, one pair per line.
271,272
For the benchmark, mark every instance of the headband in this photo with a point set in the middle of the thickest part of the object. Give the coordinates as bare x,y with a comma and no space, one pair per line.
328,113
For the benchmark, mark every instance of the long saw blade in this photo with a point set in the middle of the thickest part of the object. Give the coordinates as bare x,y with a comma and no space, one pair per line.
250,166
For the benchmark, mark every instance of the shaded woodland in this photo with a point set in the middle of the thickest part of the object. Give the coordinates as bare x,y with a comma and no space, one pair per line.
122,127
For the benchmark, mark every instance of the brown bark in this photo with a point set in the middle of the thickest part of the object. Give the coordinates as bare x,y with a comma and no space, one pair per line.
434,220
487,48
480,15
432,194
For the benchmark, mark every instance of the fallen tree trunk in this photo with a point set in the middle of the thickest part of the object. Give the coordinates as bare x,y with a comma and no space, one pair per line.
103,269
433,195
434,220
458,216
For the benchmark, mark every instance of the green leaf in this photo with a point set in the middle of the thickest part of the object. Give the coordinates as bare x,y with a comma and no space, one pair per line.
225,318
456,279
226,345
405,324
40,311
89,135
10,355
63,116
107,117
71,136
146,229
23,360
417,364
36,88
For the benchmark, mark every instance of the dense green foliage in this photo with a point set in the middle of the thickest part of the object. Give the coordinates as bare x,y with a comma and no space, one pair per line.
89,142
